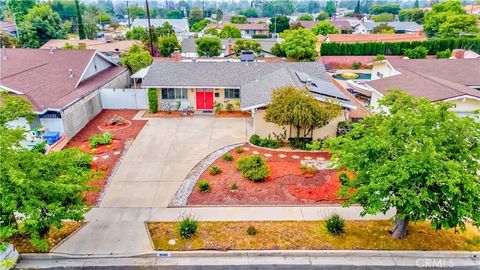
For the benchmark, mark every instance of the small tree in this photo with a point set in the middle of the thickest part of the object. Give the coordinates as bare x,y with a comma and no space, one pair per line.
236,19
324,28
278,24
137,33
383,17
383,28
322,16
168,44
300,44
208,46
136,58
297,108
230,31
305,17
417,157
246,45
418,52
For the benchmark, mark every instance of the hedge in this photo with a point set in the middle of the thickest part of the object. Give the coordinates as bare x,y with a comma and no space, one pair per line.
259,36
153,100
397,48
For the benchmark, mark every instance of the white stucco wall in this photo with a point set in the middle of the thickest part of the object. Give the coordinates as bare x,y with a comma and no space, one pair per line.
382,70
98,64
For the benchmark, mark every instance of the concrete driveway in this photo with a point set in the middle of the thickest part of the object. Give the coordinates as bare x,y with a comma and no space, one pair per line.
148,176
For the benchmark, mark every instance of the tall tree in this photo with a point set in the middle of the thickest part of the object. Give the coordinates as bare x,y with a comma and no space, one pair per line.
416,157
278,24
19,9
357,8
208,46
278,7
40,25
330,8
167,45
441,12
136,58
196,15
416,4
81,27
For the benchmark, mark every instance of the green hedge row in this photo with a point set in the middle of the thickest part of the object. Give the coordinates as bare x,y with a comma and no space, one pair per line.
396,48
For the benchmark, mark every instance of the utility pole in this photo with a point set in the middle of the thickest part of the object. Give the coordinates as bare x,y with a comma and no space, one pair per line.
128,15
149,28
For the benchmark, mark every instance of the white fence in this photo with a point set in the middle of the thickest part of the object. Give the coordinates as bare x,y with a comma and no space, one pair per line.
128,98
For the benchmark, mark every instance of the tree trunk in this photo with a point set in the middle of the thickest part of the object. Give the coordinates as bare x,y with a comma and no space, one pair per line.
400,229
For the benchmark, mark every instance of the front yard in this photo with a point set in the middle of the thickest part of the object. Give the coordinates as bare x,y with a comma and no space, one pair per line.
311,235
286,183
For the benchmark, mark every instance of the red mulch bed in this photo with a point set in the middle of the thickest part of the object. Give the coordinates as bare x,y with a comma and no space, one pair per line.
103,167
233,114
286,185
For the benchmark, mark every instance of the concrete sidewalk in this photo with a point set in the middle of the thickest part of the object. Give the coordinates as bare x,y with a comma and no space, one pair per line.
273,259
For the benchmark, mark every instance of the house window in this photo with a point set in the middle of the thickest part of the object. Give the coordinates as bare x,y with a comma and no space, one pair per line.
380,75
232,93
174,93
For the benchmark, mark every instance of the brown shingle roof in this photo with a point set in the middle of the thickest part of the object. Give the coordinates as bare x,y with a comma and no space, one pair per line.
241,26
44,77
307,24
356,38
99,45
436,79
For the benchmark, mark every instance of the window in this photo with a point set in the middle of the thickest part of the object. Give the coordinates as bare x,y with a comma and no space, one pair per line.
232,93
174,93
380,75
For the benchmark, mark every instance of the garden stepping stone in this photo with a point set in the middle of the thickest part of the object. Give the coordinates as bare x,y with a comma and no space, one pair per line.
255,152
295,157
246,148
172,242
94,158
116,153
267,155
308,158
106,156
282,156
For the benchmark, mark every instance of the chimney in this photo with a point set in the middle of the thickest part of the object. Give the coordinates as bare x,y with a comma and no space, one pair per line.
176,55
70,73
229,48
458,53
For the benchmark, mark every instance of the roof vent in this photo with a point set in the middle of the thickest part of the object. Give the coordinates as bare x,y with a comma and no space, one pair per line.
70,73
51,50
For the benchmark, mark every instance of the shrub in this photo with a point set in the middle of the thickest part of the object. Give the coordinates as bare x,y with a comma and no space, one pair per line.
218,107
188,227
308,169
253,168
335,225
233,186
214,170
314,146
229,107
228,157
299,143
343,177
152,100
100,139
356,65
251,230
418,52
254,139
343,128
204,186
259,36
380,57
239,150
444,54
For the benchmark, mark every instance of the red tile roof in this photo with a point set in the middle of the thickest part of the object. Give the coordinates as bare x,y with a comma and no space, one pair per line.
99,45
242,26
44,77
356,38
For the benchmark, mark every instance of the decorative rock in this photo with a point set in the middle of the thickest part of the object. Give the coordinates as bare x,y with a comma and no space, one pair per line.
116,153
172,242
282,156
94,158
295,157
246,148
267,155
105,157
255,152
307,158
320,165
320,158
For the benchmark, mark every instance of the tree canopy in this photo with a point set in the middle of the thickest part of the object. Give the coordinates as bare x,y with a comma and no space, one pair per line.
417,157
230,31
195,16
278,24
441,15
208,46
300,44
383,17
415,15
38,191
330,8
238,19
305,17
383,28
167,45
39,26
297,108
249,13
19,9
322,16
278,7
386,8
324,28
247,45
136,58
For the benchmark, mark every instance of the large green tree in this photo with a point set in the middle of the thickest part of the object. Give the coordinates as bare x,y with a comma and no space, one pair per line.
299,109
167,45
415,15
278,24
7,40
416,157
40,25
277,7
81,26
230,31
300,44
195,16
249,13
386,8
208,46
18,9
330,8
247,45
441,13
324,28
136,58
238,19
38,191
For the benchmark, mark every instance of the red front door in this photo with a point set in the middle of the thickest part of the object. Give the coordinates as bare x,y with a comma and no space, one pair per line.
204,100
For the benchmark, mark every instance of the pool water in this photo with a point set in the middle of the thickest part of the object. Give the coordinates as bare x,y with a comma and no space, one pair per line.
361,76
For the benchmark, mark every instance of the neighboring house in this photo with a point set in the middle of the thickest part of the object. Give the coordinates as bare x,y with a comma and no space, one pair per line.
344,26
259,20
247,86
62,85
349,38
112,49
179,25
9,28
472,9
400,27
307,24
247,29
189,47
453,80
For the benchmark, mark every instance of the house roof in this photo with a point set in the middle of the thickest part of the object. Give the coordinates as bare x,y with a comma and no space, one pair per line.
256,80
43,77
180,25
307,24
99,45
189,45
241,26
436,79
359,38
341,24
399,26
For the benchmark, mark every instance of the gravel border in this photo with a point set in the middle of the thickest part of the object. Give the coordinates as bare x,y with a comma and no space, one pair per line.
181,196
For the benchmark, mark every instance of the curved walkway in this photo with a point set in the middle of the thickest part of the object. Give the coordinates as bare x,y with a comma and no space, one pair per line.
150,173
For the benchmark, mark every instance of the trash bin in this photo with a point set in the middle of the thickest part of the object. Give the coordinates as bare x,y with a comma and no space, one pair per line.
51,136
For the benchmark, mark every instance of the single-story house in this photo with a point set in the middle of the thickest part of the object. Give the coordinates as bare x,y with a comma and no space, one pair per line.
246,29
355,38
344,26
62,85
179,25
9,28
453,80
110,48
248,86
400,27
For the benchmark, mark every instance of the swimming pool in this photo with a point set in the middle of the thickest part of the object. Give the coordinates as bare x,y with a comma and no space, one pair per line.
361,76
